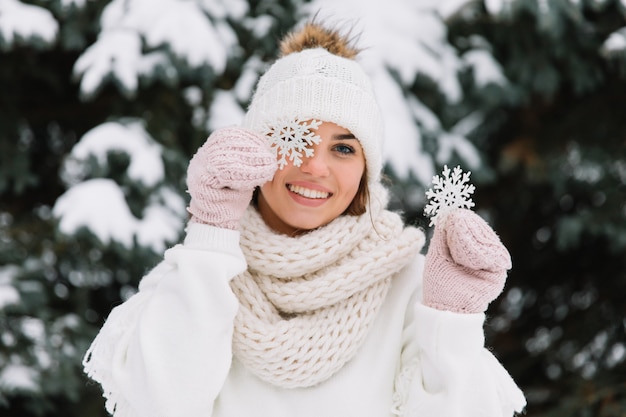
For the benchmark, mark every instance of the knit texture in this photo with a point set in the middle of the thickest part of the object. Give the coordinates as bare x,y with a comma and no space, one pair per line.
223,174
466,264
306,303
315,84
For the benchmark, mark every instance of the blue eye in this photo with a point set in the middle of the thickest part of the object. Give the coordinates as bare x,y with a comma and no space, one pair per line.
344,149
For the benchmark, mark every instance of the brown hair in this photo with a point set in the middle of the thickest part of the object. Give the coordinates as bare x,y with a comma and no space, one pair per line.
360,201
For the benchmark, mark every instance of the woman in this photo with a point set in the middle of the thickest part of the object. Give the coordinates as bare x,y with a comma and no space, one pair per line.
313,300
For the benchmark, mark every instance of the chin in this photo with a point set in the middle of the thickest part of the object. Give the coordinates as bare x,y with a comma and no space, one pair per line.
308,224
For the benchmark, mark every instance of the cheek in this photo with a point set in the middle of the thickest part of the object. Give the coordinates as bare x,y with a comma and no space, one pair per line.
269,188
276,179
272,188
352,180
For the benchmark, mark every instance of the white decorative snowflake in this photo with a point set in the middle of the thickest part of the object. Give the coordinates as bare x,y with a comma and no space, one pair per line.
292,139
450,191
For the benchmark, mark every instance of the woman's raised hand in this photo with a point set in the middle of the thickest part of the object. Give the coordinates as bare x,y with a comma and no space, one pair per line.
466,264
223,174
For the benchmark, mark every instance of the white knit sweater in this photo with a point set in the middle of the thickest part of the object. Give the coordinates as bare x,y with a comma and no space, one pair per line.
172,352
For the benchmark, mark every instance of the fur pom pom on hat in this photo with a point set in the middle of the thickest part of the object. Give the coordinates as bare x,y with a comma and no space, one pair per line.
316,78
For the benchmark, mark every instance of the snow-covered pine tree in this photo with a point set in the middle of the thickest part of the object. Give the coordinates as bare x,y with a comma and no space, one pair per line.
555,137
101,106
533,115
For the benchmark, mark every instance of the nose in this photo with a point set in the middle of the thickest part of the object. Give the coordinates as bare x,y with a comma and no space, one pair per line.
316,165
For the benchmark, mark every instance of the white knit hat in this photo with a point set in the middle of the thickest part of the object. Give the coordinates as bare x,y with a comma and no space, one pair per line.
316,84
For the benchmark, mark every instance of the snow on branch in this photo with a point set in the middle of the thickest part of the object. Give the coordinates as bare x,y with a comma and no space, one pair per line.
19,21
157,38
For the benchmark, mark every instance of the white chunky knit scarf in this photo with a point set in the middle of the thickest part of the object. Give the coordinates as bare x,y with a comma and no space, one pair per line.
306,303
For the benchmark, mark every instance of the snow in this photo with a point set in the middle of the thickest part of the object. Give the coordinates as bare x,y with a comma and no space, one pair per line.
402,145
25,21
115,53
34,329
457,142
495,7
185,30
485,68
248,79
259,25
616,355
616,42
18,377
448,8
66,4
146,164
222,9
182,27
100,204
8,294
193,95
450,143
163,220
225,110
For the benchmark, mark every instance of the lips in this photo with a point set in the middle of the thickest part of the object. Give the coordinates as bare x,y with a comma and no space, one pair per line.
308,192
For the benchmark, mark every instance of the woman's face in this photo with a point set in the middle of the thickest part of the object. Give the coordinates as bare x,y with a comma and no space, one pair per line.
315,193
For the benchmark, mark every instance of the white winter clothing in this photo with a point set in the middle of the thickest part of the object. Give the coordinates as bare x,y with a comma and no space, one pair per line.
168,350
306,304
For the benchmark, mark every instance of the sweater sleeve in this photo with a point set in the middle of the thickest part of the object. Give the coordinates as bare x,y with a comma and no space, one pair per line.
166,351
446,370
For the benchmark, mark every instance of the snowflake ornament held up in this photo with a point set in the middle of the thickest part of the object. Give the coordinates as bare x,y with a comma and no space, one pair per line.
292,139
451,190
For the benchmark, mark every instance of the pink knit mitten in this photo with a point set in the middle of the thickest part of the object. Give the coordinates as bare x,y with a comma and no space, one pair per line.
466,264
223,174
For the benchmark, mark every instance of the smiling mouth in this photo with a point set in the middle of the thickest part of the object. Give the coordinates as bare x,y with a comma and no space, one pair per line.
307,192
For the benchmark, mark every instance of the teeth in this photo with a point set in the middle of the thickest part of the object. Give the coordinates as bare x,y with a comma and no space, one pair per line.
305,192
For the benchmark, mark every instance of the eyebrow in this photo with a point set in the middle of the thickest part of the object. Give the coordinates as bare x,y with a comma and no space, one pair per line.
344,136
